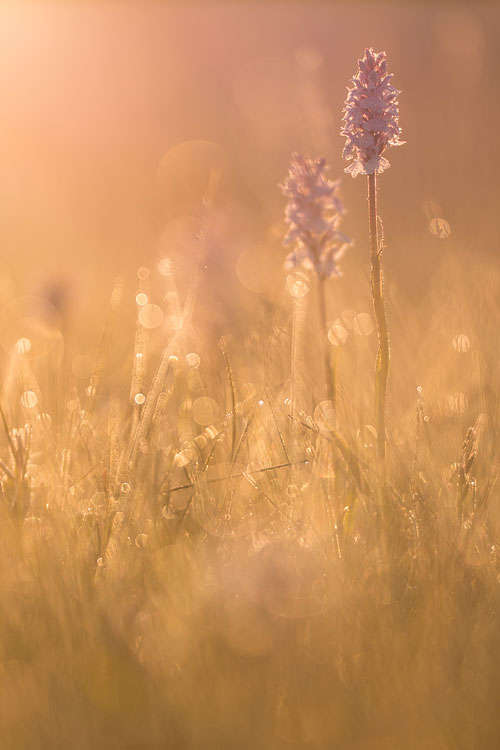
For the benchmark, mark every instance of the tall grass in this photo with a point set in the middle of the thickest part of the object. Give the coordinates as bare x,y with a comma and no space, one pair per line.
210,566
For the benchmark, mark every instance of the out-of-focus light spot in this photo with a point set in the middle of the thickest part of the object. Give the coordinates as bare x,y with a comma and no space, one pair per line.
183,457
174,322
22,345
261,403
200,441
363,324
324,416
174,361
461,343
337,334
45,419
193,360
151,316
347,318
141,298
168,512
297,284
211,432
139,398
29,399
143,273
265,91
82,366
141,540
440,228
165,267
33,320
205,410
125,488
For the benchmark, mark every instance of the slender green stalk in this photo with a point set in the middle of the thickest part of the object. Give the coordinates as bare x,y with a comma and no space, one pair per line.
377,283
298,374
330,358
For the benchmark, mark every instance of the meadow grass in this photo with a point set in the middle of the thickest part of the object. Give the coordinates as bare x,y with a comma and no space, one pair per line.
214,567
199,551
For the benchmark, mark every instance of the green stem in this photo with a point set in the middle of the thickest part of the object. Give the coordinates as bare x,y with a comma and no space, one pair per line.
330,363
383,355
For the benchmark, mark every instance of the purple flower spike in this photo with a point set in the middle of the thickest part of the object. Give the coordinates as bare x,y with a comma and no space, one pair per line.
313,213
371,115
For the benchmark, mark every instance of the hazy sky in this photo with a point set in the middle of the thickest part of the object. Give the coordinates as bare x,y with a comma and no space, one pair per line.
94,95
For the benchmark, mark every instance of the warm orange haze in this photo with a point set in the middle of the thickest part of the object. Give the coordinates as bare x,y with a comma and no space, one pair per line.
249,405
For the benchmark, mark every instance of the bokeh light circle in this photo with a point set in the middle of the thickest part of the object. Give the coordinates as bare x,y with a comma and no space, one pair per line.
151,316
29,327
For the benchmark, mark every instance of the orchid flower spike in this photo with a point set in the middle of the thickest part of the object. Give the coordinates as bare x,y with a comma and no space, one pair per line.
371,116
313,213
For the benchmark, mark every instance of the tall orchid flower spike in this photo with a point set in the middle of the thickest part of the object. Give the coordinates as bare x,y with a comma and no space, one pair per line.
370,127
371,116
313,215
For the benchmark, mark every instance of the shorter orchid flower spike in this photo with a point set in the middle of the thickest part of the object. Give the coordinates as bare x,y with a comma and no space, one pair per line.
371,115
313,213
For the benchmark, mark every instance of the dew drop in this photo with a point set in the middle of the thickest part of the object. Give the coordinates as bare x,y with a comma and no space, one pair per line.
139,398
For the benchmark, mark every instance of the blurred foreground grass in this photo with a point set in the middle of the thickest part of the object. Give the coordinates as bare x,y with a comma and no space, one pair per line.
185,563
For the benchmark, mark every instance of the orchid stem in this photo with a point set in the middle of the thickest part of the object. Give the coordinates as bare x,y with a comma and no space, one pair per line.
377,284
